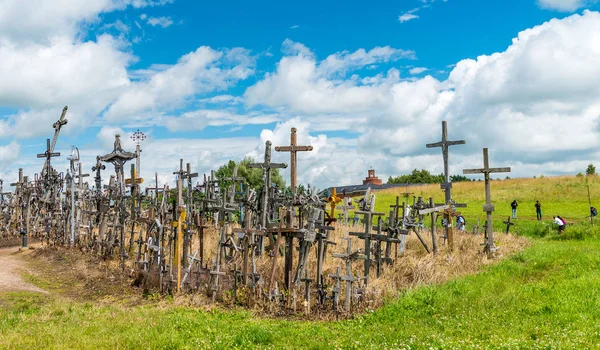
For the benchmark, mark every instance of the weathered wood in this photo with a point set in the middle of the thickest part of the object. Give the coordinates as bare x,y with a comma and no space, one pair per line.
490,247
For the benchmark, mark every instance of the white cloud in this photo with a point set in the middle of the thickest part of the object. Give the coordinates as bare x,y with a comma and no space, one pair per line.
565,5
160,21
407,17
198,120
200,71
417,70
9,154
27,21
531,104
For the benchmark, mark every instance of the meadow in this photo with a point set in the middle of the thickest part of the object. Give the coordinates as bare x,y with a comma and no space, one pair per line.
545,296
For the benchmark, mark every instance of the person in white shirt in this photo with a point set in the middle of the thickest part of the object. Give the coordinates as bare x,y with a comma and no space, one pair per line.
558,221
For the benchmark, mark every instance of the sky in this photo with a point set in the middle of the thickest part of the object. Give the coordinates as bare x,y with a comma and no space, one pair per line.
367,84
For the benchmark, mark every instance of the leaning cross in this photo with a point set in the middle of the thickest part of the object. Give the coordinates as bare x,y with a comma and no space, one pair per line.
293,148
490,248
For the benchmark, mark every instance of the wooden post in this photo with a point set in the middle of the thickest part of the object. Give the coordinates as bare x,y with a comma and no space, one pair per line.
433,228
179,233
490,248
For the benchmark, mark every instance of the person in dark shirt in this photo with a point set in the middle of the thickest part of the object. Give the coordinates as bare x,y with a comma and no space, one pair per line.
538,210
514,206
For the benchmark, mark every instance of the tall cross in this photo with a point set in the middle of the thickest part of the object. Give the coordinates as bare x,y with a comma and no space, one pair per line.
444,144
490,248
293,148
266,167
57,126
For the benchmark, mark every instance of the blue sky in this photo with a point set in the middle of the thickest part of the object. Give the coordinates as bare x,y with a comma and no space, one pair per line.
367,84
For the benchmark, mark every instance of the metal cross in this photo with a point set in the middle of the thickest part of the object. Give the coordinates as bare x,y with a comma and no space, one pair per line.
490,248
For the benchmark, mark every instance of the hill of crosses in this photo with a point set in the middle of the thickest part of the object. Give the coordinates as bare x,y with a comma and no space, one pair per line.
280,251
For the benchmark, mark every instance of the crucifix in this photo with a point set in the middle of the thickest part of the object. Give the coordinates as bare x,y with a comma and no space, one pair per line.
293,148
488,207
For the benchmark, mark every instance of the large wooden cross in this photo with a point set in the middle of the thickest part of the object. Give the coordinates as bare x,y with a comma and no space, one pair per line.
266,167
444,144
293,148
490,248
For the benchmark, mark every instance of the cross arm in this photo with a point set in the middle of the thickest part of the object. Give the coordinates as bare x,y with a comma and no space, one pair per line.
486,170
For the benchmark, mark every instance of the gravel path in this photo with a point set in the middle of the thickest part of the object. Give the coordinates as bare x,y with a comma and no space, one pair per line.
11,267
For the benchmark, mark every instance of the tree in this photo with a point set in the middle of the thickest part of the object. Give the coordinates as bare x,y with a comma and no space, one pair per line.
424,177
591,170
253,176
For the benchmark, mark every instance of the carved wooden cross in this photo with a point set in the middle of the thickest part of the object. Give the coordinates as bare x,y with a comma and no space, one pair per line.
490,248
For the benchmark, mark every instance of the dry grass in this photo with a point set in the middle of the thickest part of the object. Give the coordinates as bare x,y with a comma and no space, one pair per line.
413,269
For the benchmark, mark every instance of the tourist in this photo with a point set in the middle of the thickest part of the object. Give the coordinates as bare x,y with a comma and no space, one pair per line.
514,206
538,210
560,223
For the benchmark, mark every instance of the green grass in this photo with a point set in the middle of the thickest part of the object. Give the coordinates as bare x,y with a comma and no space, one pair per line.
564,196
546,296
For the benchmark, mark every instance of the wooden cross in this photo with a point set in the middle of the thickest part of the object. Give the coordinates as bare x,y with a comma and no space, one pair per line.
98,178
508,224
266,167
48,155
293,148
366,236
234,180
490,248
189,177
444,144
349,256
80,178
57,126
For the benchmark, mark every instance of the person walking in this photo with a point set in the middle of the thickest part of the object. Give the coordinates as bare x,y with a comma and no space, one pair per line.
538,210
514,206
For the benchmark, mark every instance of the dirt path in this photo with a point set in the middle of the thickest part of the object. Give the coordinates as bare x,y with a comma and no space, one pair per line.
11,268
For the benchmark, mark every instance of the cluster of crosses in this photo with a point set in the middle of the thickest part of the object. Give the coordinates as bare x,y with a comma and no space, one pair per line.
166,234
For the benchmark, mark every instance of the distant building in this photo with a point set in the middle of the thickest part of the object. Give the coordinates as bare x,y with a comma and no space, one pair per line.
372,179
372,182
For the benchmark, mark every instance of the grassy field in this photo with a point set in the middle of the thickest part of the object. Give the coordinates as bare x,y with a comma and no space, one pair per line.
544,297
564,196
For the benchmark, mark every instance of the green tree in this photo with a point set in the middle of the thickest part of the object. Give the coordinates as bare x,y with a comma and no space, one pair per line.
253,176
591,170
417,177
